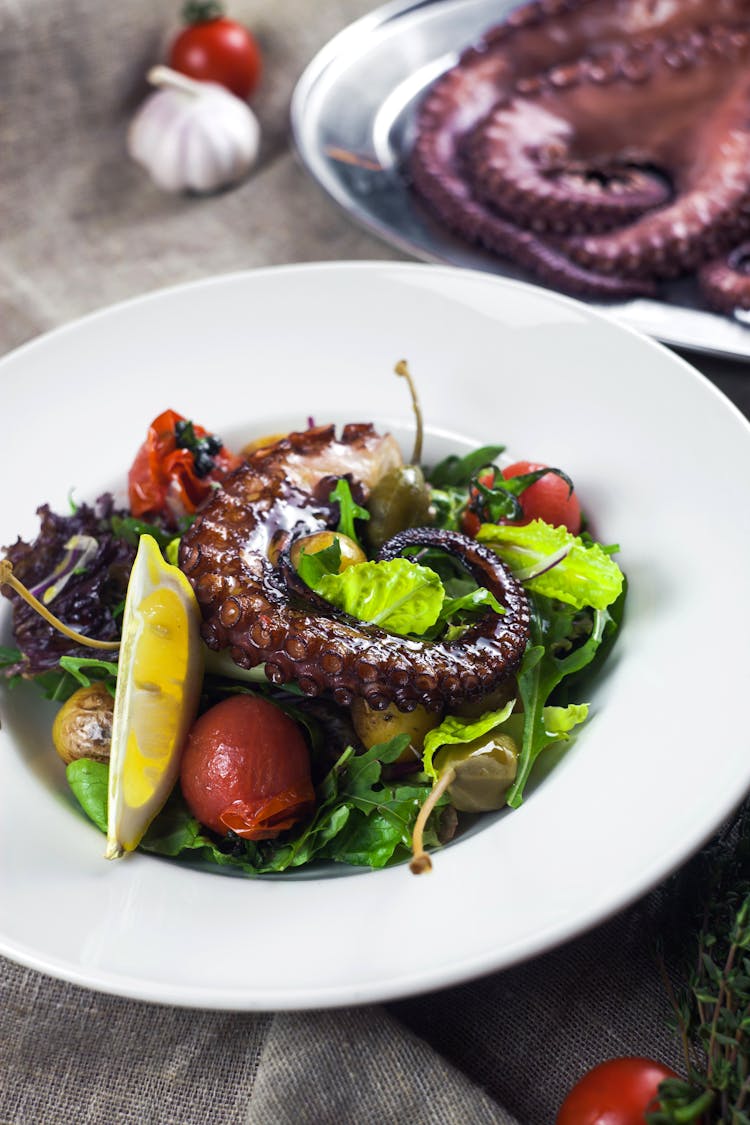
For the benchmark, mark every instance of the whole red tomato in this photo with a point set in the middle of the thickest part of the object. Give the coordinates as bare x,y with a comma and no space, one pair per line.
213,48
617,1092
246,767
549,499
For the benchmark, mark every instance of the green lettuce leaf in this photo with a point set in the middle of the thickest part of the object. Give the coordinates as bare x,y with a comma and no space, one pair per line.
454,730
398,595
583,576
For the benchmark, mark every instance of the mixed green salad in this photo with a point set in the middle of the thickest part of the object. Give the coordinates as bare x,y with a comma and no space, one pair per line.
313,780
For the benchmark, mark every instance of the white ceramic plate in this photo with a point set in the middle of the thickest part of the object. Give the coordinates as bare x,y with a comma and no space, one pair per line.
661,461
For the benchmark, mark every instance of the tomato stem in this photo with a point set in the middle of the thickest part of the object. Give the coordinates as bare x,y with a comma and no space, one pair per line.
202,11
8,578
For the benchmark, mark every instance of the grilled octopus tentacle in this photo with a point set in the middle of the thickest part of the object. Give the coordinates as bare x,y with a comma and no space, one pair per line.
264,615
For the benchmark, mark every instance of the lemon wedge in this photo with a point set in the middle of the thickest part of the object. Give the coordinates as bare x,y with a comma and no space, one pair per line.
158,689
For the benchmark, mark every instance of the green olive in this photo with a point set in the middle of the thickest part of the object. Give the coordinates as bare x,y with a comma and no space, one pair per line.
83,725
485,770
351,552
374,727
399,500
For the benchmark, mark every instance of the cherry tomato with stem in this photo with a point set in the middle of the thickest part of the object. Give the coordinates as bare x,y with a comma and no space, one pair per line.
617,1092
213,48
550,498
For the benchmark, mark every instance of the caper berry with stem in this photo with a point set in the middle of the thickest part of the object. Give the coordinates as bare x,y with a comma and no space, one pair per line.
485,770
402,498
476,775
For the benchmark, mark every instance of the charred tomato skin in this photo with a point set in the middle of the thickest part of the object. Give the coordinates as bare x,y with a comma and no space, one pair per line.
616,1092
246,767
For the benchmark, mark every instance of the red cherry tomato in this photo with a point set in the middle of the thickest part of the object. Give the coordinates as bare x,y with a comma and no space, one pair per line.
617,1092
547,499
170,479
246,767
217,49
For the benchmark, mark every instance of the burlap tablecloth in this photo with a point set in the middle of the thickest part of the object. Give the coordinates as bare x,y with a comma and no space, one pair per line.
80,227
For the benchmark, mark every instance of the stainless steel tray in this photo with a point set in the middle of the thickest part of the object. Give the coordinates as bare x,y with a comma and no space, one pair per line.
352,121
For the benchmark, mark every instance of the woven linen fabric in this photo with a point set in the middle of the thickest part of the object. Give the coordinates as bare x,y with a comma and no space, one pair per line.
82,226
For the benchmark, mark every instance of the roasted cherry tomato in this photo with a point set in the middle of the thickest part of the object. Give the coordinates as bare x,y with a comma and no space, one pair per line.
548,499
617,1092
246,767
213,48
176,468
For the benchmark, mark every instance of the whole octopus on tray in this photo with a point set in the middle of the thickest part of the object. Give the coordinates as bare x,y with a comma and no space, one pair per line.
603,145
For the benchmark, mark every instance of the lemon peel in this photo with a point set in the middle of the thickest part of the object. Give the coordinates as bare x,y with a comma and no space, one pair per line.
158,689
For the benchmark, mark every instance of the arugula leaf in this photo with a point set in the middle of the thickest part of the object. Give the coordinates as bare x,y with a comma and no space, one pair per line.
473,602
579,575
383,836
398,595
359,819
131,529
313,565
58,684
457,612
348,510
9,656
456,471
448,503
74,665
542,669
455,730
379,827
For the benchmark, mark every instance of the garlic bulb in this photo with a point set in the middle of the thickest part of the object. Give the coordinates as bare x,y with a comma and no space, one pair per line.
193,136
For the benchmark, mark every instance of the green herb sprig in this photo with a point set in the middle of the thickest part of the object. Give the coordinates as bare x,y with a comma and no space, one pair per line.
710,901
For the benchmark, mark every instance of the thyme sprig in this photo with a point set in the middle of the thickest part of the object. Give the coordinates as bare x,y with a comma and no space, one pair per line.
709,903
